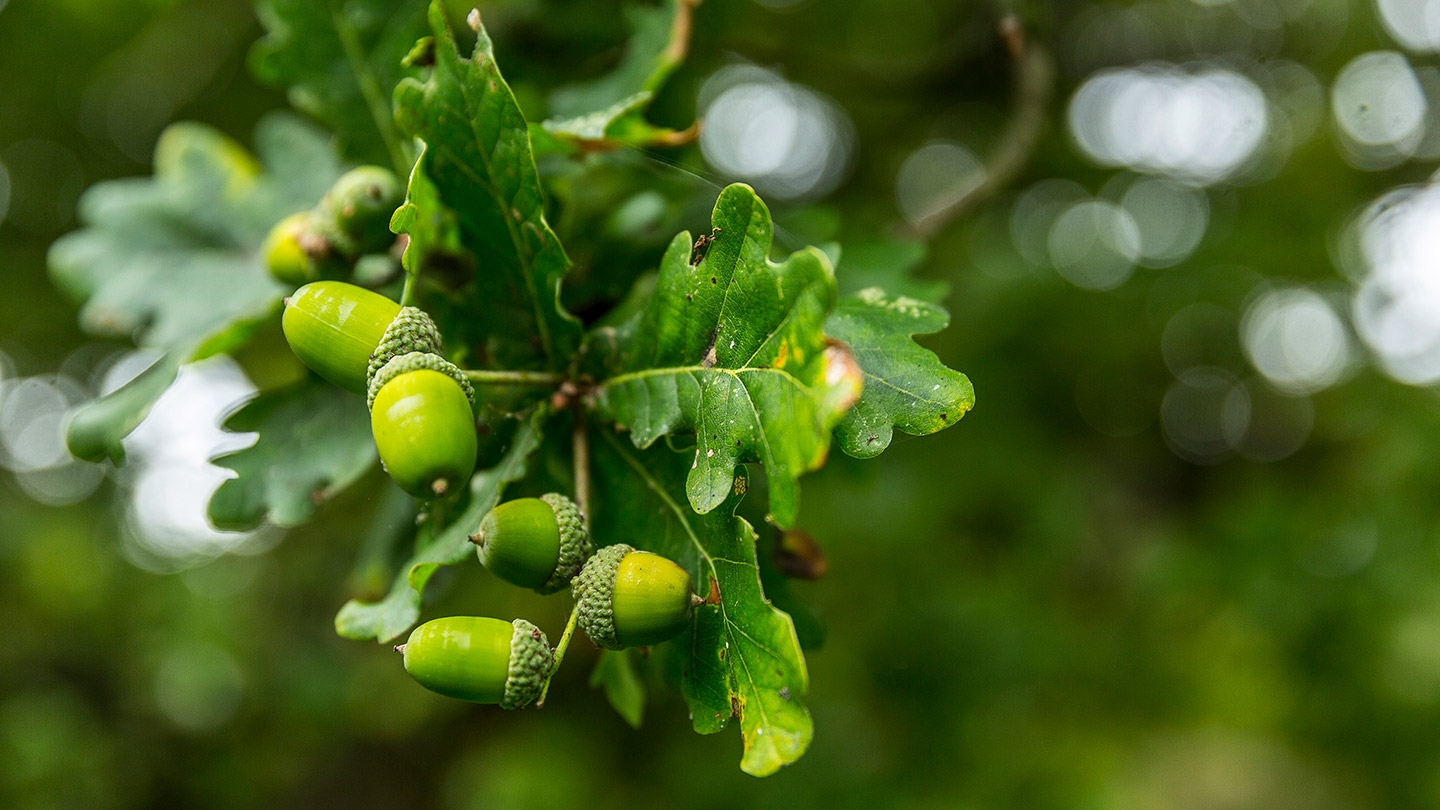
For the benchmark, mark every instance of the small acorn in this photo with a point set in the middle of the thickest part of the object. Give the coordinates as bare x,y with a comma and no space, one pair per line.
537,543
629,598
480,659
424,426
284,251
334,327
355,213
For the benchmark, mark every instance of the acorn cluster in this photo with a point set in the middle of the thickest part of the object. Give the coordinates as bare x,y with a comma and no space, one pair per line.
352,220
422,417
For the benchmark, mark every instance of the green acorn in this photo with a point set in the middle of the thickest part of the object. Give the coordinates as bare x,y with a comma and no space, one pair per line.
334,327
537,543
479,659
628,598
423,421
355,213
284,251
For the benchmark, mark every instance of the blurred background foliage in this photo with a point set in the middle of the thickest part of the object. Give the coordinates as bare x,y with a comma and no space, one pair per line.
1184,554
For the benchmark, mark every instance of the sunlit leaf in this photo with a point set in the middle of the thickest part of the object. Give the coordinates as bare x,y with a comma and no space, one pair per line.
741,657
906,385
733,349
480,171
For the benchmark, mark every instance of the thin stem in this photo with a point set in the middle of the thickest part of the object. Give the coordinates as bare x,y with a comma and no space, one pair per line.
580,438
1034,85
580,442
560,653
490,377
407,295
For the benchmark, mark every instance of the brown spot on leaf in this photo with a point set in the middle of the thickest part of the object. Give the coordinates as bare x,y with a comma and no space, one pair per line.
736,706
714,597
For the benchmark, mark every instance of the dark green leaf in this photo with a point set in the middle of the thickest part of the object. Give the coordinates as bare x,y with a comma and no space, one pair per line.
660,36
615,673
172,261
387,619
741,658
734,350
609,112
314,441
341,60
906,386
478,160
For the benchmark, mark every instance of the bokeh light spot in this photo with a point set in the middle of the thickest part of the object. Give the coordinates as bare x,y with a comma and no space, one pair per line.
1296,339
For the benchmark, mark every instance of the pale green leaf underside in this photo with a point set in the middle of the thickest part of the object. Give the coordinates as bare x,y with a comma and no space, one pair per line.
314,441
741,658
390,617
172,261
734,350
906,385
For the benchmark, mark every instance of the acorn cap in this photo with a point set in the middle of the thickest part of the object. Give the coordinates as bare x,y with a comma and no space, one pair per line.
592,590
411,330
629,598
417,361
537,543
575,543
531,662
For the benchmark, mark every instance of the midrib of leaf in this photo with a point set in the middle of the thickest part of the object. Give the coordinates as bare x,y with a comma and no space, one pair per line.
731,628
369,86
906,391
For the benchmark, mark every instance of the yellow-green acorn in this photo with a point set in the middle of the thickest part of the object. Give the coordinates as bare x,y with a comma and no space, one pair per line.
629,598
480,659
284,251
423,421
538,543
334,327
355,213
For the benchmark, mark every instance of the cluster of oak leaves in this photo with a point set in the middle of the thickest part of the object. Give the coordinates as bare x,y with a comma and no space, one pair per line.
720,358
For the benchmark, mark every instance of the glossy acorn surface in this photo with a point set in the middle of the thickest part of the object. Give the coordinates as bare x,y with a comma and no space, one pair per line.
333,327
629,598
357,209
424,429
537,543
464,657
652,599
284,256
519,542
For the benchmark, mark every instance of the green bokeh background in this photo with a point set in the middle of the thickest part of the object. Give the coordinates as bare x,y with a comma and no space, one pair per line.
1020,612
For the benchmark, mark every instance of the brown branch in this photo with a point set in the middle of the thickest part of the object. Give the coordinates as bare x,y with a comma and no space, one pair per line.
1034,73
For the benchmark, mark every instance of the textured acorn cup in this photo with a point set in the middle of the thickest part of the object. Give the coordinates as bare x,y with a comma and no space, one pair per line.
628,598
537,543
355,213
480,659
424,428
284,253
333,327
